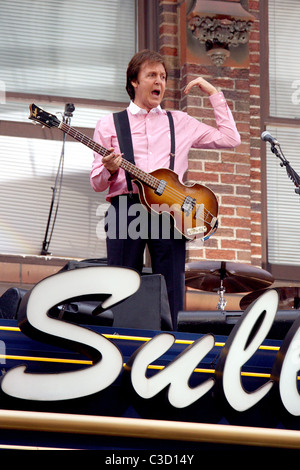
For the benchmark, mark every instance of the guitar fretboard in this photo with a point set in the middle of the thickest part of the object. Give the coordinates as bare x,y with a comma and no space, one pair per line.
141,175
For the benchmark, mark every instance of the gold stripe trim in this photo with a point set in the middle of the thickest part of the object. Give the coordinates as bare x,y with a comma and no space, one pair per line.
212,371
151,367
130,338
45,359
17,447
9,328
145,339
149,429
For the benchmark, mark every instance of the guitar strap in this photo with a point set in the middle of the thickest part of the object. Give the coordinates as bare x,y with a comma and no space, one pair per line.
124,137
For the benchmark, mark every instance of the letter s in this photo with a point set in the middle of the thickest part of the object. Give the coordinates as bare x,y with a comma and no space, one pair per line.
120,283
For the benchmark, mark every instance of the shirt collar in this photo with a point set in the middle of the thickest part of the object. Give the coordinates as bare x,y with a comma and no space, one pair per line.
134,109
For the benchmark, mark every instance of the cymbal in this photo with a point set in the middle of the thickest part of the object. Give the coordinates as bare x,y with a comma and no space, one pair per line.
289,298
234,277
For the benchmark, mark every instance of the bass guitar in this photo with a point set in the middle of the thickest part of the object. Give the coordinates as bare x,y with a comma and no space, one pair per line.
193,208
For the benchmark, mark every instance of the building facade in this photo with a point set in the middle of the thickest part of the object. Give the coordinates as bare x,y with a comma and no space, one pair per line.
226,42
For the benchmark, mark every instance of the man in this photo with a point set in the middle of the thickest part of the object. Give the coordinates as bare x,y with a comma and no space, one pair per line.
150,134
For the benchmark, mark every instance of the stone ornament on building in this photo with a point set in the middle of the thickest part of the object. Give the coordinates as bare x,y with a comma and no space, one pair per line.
220,25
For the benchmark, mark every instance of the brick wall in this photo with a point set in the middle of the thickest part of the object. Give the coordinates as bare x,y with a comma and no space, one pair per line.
234,175
255,130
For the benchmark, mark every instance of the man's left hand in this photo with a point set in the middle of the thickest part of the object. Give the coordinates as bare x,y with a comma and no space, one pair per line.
205,86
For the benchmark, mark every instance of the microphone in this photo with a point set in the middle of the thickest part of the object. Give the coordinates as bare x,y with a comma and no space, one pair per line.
266,136
69,108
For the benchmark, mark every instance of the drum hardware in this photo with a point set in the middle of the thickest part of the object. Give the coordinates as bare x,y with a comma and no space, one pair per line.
226,276
289,298
222,302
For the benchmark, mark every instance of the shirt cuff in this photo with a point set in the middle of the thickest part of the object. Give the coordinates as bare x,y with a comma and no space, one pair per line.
110,175
217,99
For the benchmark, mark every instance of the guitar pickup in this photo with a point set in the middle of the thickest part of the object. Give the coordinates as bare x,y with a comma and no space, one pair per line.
161,187
188,205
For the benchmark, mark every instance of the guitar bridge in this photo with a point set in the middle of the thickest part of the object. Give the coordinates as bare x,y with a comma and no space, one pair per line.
161,187
196,230
188,205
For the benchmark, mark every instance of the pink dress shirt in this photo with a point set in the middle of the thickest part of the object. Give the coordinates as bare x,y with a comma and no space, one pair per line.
151,141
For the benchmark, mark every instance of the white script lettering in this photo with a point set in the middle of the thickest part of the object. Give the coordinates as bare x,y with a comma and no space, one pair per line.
118,284
108,361
239,349
175,375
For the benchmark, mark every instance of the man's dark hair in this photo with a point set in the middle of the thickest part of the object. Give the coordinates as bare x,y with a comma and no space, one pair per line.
135,64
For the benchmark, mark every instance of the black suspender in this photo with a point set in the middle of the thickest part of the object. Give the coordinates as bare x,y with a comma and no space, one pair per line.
172,153
124,137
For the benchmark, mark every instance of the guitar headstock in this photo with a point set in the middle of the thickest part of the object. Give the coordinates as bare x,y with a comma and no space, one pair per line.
39,115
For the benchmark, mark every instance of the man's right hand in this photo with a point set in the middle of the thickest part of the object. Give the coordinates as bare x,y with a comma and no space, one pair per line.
112,161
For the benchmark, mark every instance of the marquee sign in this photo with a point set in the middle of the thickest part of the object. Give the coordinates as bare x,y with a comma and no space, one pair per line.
108,362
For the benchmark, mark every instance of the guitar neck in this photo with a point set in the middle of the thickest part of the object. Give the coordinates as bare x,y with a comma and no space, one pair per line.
125,164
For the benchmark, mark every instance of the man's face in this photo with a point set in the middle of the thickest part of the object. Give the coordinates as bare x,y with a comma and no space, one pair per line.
150,85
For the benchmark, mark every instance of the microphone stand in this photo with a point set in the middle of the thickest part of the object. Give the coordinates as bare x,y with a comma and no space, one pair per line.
68,113
290,171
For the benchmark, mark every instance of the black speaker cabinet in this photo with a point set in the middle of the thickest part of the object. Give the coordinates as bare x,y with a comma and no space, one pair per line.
10,301
148,308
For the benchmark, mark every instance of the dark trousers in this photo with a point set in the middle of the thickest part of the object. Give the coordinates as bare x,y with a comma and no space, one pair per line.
129,228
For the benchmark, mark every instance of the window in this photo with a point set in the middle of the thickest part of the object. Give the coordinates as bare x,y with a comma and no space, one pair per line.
282,120
284,68
53,53
282,201
67,48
